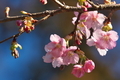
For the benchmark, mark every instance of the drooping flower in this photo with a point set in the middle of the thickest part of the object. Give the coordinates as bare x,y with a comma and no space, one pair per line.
69,57
78,71
103,40
82,27
89,66
57,45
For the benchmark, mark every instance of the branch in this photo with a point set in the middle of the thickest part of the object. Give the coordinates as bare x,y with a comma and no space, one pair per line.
63,8
16,35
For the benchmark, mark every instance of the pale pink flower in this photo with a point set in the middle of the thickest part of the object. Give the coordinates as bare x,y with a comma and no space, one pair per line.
57,46
93,19
89,66
82,27
103,40
90,19
78,71
69,57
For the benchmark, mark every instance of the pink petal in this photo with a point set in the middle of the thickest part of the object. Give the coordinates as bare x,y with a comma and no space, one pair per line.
102,52
113,35
90,42
57,62
55,38
47,58
50,46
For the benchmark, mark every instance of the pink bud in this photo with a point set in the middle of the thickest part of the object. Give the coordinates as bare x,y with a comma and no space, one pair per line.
43,1
27,29
32,27
78,71
89,66
19,22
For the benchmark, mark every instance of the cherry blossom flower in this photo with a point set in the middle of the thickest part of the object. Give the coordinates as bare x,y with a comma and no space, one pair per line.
57,45
89,66
78,71
69,57
93,19
82,27
103,40
55,49
56,61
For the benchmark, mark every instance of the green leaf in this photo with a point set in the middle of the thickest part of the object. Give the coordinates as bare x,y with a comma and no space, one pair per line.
19,46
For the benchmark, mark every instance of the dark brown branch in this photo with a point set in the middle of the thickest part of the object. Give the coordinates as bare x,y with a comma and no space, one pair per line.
34,15
64,8
16,35
44,18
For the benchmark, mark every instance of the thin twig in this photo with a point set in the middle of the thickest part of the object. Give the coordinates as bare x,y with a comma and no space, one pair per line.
44,18
16,35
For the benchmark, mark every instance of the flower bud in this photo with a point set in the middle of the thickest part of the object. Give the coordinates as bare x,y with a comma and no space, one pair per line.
15,53
107,27
19,22
43,1
78,71
89,66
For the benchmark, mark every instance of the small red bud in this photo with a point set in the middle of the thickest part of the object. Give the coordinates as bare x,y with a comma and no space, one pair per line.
43,1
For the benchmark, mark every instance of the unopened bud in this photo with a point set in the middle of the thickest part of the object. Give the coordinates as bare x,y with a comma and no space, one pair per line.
43,1
24,12
69,37
7,9
107,27
15,53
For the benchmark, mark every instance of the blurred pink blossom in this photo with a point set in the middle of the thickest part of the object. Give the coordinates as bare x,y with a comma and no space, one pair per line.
57,45
78,71
69,57
103,40
93,19
89,66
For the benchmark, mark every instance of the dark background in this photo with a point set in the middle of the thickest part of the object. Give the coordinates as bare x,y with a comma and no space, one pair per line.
30,65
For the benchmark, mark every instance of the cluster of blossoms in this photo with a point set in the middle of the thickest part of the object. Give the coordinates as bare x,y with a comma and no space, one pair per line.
26,25
103,37
59,54
95,27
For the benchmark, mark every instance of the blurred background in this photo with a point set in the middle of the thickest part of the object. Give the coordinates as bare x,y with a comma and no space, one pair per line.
30,65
